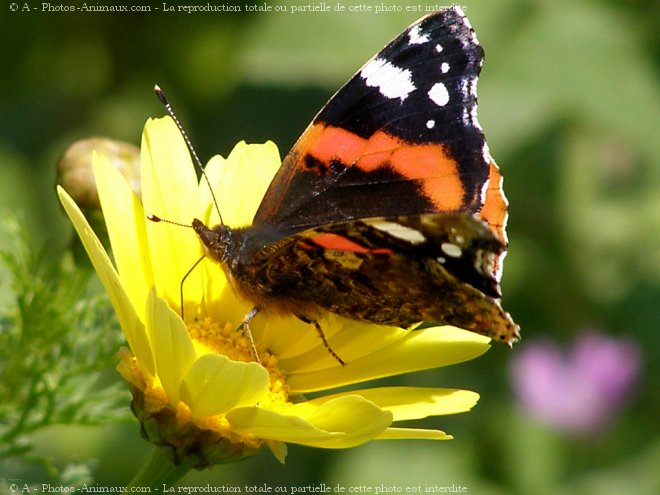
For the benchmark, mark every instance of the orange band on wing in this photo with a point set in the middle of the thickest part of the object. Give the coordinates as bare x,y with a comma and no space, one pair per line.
427,163
340,243
327,143
494,211
439,173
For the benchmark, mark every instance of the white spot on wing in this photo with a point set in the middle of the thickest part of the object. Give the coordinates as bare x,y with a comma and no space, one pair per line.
444,67
438,48
439,94
416,36
451,249
399,231
391,81
430,124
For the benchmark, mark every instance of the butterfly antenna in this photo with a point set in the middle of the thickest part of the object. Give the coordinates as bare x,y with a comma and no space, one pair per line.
157,219
163,99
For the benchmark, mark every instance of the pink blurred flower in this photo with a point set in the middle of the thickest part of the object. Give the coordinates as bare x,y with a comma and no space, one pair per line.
579,391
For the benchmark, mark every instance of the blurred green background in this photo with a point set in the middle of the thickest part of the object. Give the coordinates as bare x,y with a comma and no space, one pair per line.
570,103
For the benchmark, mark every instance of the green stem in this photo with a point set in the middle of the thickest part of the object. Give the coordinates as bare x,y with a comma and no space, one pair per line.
156,471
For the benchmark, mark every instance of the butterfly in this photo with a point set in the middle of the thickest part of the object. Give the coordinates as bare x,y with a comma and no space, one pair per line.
389,208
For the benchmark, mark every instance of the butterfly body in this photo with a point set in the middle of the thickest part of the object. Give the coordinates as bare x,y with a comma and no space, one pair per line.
389,208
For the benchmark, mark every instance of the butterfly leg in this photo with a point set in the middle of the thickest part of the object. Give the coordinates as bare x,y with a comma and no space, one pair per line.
248,333
319,330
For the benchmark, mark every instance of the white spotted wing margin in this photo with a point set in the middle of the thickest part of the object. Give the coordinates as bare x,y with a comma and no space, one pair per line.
429,72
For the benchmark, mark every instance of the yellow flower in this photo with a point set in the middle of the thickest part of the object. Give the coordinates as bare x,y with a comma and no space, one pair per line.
195,386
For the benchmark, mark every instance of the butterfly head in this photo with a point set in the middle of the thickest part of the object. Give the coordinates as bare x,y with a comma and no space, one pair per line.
216,241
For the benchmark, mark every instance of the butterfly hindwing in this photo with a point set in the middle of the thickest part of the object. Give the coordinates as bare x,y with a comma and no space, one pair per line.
393,270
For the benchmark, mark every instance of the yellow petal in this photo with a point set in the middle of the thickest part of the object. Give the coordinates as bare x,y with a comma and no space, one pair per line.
172,346
213,200
359,419
169,191
240,181
413,434
124,218
221,302
215,385
300,349
278,449
297,344
267,424
126,314
340,423
418,350
407,403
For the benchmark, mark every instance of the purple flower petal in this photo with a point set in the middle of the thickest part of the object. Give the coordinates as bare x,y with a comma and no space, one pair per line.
580,391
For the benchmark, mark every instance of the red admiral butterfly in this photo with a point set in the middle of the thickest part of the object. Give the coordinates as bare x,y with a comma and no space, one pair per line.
389,209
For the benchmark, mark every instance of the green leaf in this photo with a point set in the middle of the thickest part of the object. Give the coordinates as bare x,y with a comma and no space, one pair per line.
57,345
